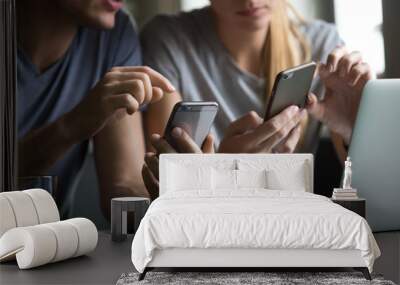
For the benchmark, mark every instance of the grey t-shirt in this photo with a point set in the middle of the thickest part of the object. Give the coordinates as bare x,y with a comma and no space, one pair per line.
186,49
44,97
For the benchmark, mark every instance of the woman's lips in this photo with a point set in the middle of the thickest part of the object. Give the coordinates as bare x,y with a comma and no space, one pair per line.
113,5
252,12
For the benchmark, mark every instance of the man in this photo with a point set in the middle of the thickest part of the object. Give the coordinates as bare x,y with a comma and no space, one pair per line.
77,81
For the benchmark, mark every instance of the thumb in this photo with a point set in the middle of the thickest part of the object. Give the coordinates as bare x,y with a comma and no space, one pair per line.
208,145
157,94
315,107
245,123
184,142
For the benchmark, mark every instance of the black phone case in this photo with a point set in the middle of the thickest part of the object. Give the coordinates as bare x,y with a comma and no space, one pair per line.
183,106
291,87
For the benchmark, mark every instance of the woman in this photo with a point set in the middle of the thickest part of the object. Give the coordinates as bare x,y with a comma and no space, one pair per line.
231,51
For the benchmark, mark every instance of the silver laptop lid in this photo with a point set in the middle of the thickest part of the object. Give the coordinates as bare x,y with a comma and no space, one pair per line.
375,152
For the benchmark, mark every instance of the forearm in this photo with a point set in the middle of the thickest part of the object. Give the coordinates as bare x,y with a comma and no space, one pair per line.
41,148
119,154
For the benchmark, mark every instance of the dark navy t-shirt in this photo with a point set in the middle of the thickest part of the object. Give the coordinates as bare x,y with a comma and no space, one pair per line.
44,97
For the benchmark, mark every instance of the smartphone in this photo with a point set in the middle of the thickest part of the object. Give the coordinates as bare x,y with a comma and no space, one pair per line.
196,118
291,87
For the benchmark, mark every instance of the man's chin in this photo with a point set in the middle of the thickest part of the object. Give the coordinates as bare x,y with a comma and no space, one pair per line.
105,22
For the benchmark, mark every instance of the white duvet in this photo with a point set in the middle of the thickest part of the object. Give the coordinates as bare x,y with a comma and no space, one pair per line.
250,219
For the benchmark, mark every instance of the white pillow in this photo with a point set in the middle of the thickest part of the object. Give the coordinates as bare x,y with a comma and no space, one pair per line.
188,177
251,178
224,179
292,179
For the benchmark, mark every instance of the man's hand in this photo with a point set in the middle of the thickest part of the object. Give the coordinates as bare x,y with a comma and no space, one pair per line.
250,134
185,144
121,91
344,77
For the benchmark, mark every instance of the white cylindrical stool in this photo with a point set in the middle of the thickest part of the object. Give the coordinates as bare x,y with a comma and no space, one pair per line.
119,209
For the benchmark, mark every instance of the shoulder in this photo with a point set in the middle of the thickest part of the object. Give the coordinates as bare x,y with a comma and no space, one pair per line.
319,30
322,36
122,19
119,45
124,29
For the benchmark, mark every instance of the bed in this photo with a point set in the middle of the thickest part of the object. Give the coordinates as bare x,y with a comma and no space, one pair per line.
247,211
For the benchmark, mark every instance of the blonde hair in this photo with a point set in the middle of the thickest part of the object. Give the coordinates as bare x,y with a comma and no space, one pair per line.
285,46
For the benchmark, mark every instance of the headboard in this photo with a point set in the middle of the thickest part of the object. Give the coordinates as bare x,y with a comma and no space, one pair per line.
280,163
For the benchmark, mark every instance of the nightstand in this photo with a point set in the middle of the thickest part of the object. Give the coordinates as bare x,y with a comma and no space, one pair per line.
119,212
355,205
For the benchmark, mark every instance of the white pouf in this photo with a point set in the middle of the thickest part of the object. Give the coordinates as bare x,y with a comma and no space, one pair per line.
45,206
40,244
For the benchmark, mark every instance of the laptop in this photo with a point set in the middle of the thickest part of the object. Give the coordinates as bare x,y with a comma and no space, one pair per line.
375,153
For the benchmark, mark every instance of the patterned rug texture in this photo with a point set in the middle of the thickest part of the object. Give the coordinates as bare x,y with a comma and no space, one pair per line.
243,278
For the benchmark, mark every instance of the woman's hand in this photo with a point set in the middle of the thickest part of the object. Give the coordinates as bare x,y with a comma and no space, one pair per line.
344,76
185,144
250,134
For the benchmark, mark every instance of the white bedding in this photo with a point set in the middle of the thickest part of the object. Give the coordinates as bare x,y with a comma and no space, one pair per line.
251,218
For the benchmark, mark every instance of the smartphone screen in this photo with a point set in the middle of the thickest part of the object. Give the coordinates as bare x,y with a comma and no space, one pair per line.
291,87
196,118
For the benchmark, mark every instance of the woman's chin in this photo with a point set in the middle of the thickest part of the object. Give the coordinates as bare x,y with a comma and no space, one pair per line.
255,24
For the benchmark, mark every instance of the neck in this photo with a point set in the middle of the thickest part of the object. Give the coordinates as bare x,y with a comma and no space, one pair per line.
45,32
246,48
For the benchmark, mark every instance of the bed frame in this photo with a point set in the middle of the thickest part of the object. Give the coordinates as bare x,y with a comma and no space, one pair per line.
242,259
256,259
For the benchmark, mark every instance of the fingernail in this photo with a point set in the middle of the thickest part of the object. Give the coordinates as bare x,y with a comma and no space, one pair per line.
149,154
309,98
294,110
331,68
171,87
256,117
253,114
155,137
176,132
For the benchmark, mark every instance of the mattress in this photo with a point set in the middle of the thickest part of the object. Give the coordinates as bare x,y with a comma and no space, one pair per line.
250,219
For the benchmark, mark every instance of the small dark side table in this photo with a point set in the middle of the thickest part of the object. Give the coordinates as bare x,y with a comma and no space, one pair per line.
355,205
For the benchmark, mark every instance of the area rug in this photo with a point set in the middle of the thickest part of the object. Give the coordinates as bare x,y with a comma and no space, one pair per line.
243,278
